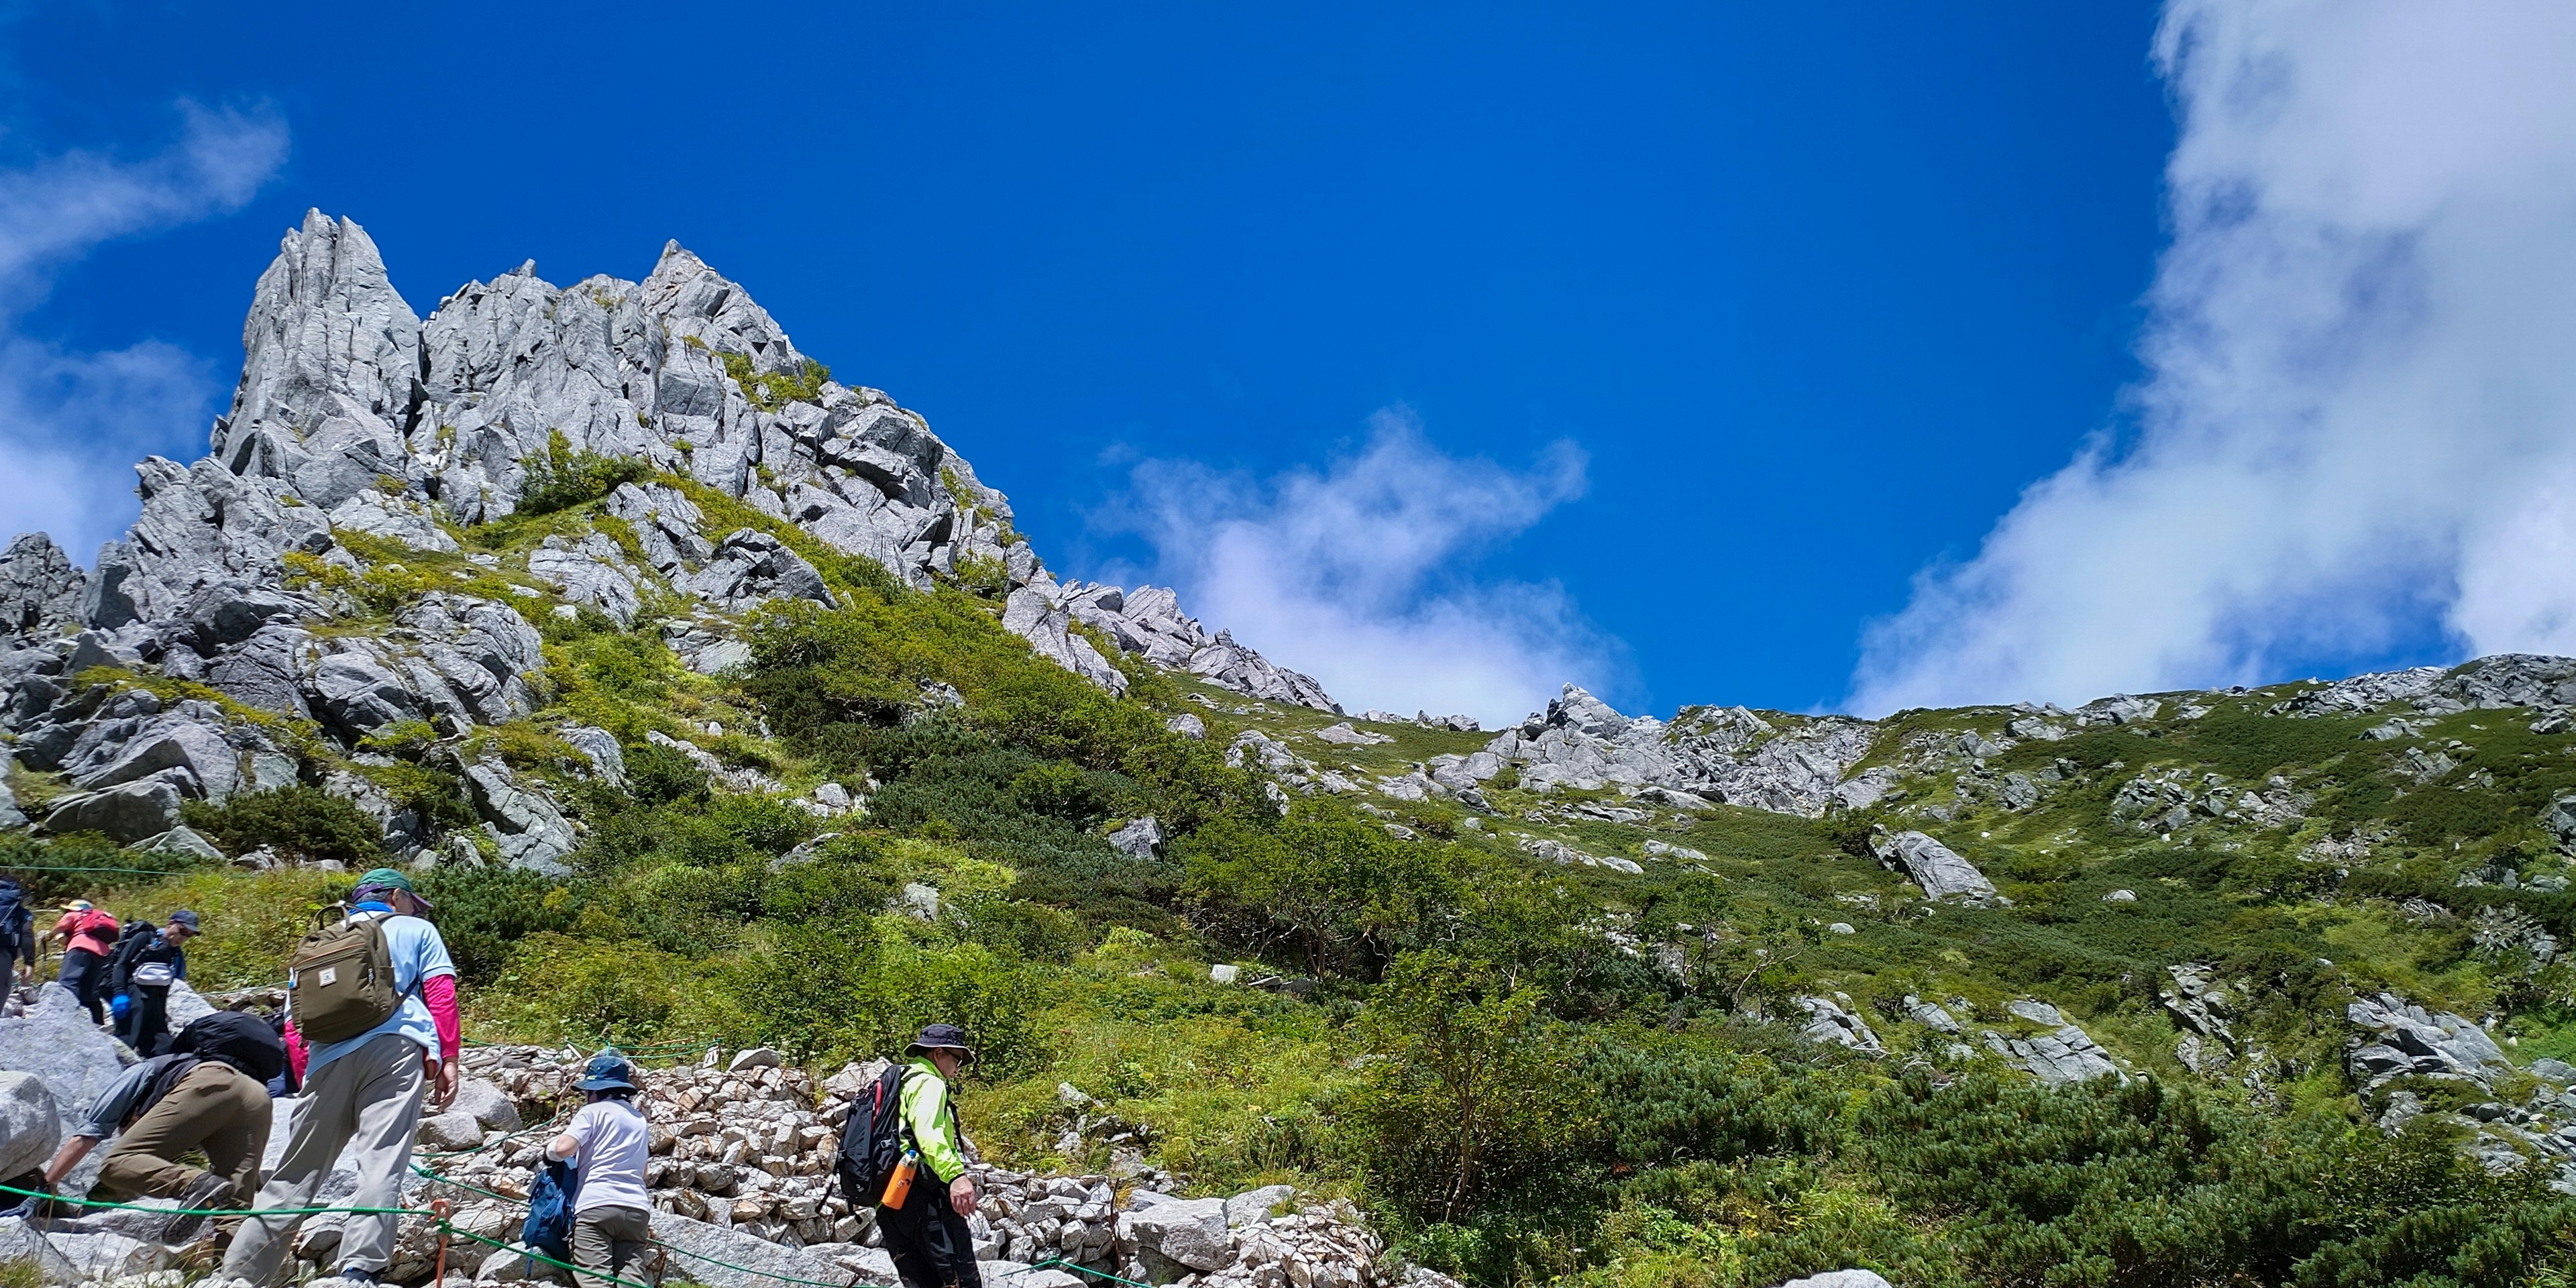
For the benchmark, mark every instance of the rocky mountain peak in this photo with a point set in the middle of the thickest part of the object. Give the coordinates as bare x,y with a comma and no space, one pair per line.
356,420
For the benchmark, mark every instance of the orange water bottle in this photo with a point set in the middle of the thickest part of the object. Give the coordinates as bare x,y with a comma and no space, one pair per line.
899,1186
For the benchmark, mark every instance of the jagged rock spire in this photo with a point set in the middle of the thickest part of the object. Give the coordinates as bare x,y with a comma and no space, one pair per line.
325,322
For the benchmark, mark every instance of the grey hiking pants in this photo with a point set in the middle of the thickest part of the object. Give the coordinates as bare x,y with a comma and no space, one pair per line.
367,1102
611,1241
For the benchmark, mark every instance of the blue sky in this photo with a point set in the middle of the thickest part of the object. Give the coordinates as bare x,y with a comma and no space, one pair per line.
1663,348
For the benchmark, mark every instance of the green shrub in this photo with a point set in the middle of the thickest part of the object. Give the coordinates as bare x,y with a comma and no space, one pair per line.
304,823
771,390
563,477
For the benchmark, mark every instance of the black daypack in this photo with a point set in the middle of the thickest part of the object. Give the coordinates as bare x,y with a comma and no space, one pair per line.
872,1139
246,1042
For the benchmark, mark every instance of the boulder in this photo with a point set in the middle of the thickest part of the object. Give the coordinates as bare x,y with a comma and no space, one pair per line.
73,1256
1185,1232
1840,1279
1829,1024
454,1130
126,813
1935,867
1140,839
599,747
488,1104
697,1248
533,834
31,1123
55,1041
10,814
1255,1205
183,841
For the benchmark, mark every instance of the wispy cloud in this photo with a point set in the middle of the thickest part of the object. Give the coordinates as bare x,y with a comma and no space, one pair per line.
1364,573
2358,427
71,421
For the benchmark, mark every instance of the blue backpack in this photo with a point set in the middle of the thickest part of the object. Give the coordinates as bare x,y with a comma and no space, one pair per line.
548,1228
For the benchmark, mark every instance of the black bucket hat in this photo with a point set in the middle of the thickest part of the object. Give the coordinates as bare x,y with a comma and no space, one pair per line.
936,1036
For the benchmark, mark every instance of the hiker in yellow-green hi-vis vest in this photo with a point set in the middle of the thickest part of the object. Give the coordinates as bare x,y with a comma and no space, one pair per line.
928,1236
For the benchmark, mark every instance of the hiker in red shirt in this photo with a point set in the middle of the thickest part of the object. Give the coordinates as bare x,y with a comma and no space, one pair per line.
88,936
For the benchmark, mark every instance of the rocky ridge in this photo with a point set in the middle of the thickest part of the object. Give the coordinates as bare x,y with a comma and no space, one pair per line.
360,430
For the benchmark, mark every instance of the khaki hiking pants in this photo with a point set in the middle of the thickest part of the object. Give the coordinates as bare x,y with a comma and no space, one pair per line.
611,1241
367,1102
216,1108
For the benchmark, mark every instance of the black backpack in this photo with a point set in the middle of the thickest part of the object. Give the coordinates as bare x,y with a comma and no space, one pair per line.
13,900
245,1042
872,1141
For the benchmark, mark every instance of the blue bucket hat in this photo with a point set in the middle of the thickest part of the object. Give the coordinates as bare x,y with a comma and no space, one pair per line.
607,1071
183,917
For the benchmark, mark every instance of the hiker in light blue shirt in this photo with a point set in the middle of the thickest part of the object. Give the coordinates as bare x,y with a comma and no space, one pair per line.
364,1096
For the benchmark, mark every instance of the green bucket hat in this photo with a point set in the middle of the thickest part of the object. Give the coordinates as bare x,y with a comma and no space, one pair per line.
385,880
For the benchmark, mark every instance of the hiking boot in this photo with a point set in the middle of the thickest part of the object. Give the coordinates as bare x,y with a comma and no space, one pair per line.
356,1278
207,1191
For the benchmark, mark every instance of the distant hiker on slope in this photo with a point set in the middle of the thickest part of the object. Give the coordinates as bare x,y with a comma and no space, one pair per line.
209,1094
374,996
906,1155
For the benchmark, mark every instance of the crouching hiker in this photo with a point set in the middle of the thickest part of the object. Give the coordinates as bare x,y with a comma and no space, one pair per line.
901,1150
612,1218
209,1094
374,996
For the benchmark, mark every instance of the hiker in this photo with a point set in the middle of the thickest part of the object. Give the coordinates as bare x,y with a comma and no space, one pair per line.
362,1089
209,1094
88,936
148,960
612,1221
928,1236
17,934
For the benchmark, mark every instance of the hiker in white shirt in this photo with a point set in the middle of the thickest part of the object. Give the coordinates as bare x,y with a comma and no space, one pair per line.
612,1221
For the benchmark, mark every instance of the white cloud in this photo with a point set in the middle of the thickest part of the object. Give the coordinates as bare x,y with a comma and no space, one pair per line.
1362,574
72,422
2358,426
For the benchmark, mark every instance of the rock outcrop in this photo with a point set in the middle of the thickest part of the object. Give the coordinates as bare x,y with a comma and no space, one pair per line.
1148,623
1785,764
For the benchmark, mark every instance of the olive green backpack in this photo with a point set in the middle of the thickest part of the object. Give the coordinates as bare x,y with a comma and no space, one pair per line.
340,980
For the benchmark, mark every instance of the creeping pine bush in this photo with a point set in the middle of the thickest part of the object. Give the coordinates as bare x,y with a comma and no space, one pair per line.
299,822
563,476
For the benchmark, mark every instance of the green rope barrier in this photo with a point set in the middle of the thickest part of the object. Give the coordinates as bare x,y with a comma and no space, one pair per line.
146,1207
1063,1264
147,872
532,1254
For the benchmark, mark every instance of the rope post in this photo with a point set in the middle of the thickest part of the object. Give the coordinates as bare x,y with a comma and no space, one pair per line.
441,1209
